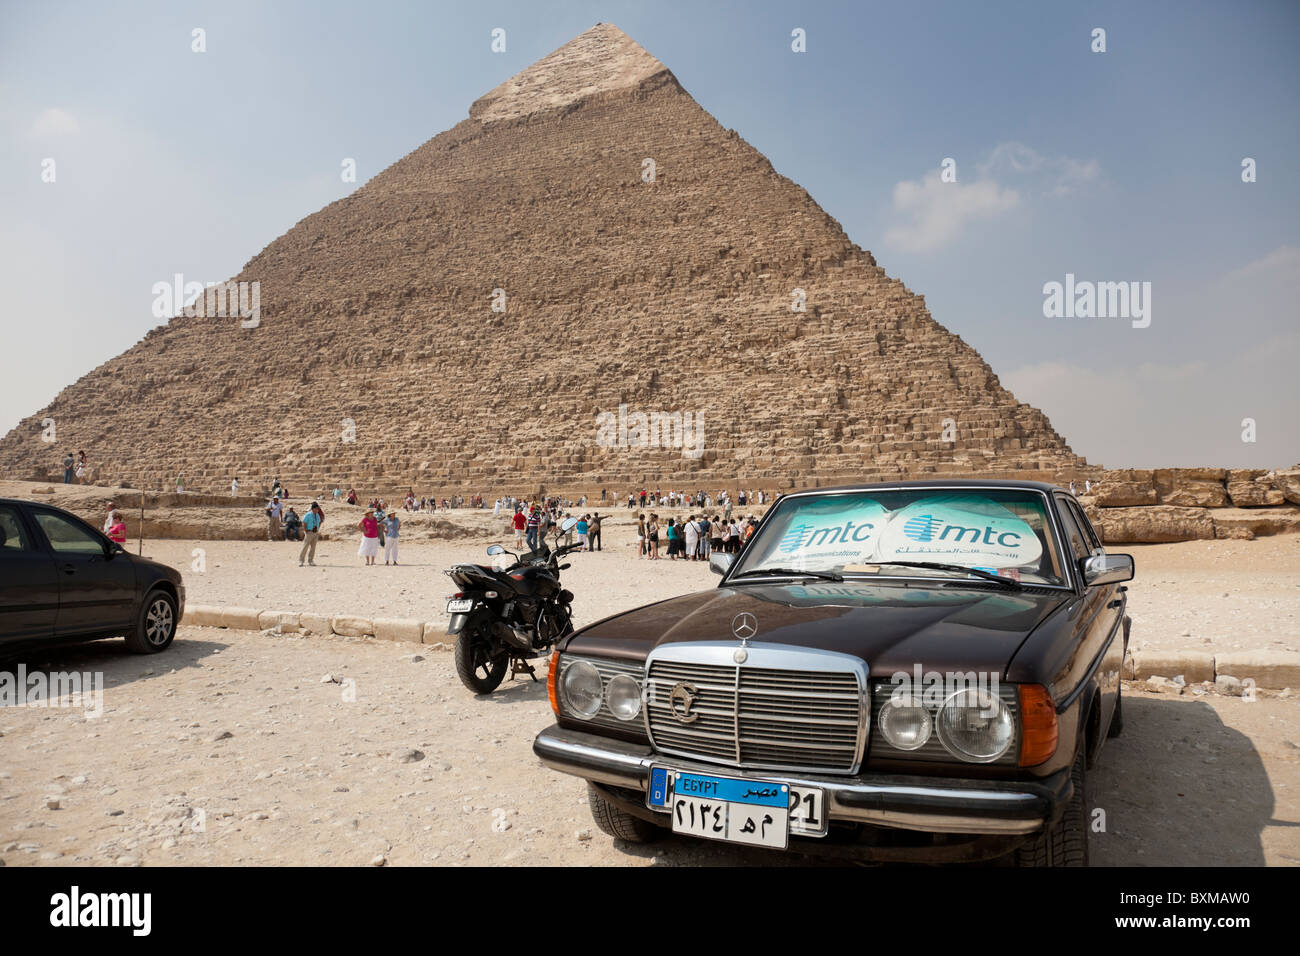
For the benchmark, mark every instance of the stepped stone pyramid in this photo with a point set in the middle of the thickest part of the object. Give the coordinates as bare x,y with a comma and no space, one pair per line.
380,361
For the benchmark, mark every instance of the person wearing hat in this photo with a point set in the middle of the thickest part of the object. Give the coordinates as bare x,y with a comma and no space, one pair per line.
273,519
369,537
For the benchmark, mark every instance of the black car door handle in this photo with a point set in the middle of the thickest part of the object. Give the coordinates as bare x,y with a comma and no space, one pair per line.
69,569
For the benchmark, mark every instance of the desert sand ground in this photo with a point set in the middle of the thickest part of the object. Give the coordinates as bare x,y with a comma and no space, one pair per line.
232,747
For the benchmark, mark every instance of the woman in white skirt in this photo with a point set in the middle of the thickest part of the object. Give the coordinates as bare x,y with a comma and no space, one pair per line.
369,537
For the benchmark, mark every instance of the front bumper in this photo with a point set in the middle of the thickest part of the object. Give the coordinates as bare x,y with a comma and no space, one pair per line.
929,804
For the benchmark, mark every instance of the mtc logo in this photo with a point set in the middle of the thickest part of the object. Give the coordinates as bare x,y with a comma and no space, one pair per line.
927,528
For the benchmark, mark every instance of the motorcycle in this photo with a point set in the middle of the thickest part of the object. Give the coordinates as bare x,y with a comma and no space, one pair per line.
508,614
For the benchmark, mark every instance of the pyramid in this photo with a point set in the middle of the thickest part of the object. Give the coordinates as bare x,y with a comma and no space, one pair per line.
495,310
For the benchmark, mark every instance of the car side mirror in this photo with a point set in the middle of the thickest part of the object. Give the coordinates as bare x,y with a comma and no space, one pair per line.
1108,569
720,563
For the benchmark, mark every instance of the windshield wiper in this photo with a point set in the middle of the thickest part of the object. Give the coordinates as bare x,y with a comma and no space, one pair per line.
790,572
962,569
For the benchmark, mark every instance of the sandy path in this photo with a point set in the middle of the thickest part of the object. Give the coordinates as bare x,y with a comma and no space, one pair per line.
307,777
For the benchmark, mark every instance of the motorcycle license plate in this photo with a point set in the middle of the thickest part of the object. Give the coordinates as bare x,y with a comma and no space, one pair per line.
757,812
461,606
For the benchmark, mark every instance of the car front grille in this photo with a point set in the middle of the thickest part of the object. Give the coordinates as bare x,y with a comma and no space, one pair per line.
750,716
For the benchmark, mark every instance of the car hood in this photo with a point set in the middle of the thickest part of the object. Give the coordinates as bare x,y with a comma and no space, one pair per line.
892,627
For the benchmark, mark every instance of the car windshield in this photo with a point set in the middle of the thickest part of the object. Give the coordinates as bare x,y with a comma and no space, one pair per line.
1002,532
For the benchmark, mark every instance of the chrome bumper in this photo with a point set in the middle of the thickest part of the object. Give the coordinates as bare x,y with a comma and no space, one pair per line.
931,804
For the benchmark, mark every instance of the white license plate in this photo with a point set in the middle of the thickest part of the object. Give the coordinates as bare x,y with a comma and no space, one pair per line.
460,607
757,812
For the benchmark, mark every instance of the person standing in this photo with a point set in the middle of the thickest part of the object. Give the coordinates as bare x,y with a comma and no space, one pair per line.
69,463
582,534
234,487
674,539
692,538
593,532
108,517
83,469
117,528
273,512
640,535
520,523
392,525
652,536
311,523
534,524
369,537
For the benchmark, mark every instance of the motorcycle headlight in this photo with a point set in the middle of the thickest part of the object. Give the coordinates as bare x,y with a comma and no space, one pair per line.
624,697
905,723
975,725
581,687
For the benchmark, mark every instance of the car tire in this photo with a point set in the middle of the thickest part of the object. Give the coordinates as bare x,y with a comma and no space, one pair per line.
1064,843
1117,719
618,823
156,627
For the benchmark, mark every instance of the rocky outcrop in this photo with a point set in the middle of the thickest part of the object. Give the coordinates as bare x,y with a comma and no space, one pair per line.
1183,504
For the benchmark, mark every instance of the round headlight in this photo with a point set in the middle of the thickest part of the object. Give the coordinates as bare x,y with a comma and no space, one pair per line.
975,725
905,723
624,695
581,687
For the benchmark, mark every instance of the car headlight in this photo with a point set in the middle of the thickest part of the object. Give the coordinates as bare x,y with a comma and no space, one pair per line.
975,725
581,687
905,722
624,697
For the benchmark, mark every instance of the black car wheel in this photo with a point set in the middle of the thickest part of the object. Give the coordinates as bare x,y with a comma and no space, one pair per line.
157,625
619,823
1064,843
1117,719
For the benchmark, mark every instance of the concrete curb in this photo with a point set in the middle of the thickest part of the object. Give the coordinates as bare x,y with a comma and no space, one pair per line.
1268,669
407,630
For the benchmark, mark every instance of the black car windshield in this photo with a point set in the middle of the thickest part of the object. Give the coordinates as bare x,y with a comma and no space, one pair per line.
1004,532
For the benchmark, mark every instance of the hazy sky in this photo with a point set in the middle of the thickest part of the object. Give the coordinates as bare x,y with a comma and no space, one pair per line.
1122,166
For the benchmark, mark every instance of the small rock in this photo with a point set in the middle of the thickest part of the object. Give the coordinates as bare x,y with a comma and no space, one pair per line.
220,735
112,813
583,835
1227,685
128,861
52,803
409,756
341,790
379,860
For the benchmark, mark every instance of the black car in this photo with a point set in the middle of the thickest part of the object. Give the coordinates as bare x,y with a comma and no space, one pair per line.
62,581
911,671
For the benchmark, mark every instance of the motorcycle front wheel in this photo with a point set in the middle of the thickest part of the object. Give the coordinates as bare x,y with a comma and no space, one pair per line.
479,666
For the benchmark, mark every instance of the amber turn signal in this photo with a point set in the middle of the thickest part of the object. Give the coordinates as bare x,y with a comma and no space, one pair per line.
1039,731
551,674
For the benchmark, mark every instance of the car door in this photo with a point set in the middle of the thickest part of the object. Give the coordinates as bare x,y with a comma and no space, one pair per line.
96,581
1102,608
29,587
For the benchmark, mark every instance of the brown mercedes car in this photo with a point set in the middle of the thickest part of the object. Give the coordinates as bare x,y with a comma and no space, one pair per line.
910,671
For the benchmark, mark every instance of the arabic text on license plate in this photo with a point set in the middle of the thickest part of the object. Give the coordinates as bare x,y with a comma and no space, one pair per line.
737,811
459,607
